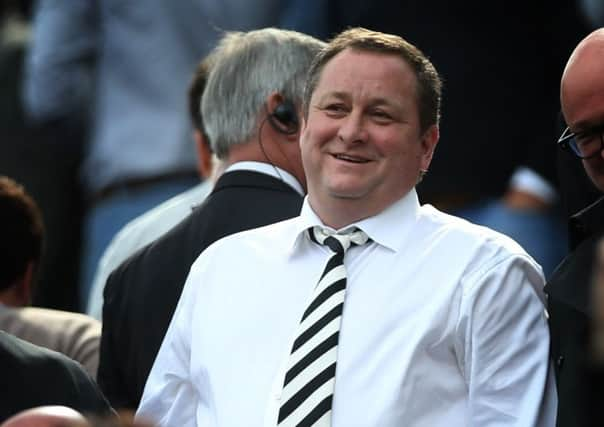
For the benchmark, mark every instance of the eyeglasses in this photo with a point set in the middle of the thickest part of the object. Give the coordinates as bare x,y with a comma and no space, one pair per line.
584,144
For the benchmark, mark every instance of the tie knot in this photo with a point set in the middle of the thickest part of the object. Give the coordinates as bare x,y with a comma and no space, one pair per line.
338,242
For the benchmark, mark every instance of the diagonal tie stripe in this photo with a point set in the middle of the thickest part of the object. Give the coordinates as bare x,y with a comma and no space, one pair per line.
320,311
313,329
310,357
309,381
334,262
332,289
335,274
311,389
320,416
329,330
296,383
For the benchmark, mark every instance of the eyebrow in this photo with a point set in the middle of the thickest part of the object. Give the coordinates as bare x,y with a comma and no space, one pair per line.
338,95
344,96
587,125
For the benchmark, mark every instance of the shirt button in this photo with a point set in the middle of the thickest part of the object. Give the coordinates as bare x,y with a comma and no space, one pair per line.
560,362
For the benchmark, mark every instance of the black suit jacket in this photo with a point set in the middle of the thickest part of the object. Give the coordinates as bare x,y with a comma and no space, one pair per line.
579,384
33,376
140,296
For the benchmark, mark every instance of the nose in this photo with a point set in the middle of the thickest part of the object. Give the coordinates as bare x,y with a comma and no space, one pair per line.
352,129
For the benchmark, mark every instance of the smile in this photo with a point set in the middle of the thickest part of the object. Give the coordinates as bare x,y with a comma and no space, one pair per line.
349,158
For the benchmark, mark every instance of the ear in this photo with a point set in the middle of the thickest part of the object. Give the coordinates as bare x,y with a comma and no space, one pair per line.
204,155
273,101
429,141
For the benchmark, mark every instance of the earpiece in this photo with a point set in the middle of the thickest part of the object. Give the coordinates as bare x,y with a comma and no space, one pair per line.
284,118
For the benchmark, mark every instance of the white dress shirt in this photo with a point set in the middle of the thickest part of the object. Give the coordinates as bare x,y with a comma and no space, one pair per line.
443,325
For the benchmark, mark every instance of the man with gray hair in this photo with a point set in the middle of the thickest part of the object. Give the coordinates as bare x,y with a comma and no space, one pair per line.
250,109
367,309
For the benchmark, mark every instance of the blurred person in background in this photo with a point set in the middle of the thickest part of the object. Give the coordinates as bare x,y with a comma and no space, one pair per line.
43,158
21,236
155,222
35,376
125,69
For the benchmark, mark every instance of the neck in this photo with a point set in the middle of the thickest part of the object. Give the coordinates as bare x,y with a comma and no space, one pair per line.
339,212
10,298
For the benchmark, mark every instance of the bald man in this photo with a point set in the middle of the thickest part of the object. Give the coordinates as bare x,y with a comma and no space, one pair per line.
569,289
47,416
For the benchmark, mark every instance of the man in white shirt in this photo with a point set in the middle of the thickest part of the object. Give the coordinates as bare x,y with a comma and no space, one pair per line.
443,322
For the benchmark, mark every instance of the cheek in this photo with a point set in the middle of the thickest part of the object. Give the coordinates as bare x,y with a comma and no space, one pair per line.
391,146
306,149
595,170
317,133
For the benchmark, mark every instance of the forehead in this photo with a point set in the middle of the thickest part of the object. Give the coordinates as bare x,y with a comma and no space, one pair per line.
582,90
357,71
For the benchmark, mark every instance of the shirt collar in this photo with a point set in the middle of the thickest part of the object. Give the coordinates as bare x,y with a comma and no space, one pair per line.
388,228
588,221
268,169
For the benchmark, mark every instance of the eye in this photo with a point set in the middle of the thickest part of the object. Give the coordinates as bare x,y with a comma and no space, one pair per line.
584,138
335,109
381,116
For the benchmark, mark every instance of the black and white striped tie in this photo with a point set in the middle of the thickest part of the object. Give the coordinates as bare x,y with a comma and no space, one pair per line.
309,382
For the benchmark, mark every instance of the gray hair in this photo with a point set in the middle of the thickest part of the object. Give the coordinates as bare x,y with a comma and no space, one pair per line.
248,68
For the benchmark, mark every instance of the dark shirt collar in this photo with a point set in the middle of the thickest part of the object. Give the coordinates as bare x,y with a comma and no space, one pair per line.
587,222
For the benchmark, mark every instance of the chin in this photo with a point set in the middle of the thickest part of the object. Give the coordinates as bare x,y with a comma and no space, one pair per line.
338,193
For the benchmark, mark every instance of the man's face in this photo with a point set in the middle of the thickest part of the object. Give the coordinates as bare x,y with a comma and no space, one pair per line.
362,139
583,104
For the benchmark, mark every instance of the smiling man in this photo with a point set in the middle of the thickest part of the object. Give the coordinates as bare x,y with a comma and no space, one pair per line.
367,309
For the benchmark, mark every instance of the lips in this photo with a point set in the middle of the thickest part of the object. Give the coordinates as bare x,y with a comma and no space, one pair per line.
350,158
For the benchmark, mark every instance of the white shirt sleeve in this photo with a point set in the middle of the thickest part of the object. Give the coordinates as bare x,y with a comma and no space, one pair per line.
505,359
169,398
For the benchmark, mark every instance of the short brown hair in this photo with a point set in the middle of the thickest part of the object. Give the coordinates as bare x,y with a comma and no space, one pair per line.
195,92
429,83
21,231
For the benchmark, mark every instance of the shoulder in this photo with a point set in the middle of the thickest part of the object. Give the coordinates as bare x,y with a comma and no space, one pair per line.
73,334
47,377
56,322
22,356
150,226
27,360
155,222
137,267
459,230
482,249
264,242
